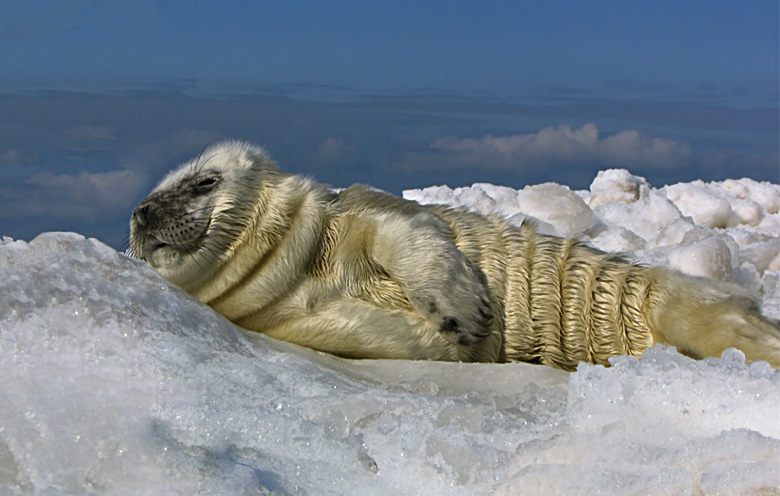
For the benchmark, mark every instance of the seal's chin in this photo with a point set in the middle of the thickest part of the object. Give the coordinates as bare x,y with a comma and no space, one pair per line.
162,255
186,269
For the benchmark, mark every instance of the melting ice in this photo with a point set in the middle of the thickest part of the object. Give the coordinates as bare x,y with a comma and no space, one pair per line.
112,381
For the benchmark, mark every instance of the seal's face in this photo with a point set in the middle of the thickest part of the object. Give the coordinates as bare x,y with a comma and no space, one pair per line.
172,223
183,228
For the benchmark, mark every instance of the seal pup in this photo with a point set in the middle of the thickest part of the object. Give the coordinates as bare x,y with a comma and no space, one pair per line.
364,274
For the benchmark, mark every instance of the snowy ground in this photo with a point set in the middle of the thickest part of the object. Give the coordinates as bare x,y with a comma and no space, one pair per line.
112,381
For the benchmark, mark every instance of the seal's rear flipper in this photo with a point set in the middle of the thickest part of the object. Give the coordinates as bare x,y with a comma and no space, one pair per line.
703,318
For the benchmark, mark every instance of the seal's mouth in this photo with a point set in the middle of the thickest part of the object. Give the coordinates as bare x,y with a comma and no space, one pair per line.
156,245
150,247
160,254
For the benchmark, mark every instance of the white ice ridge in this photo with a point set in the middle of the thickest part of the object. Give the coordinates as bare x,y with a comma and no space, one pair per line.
113,381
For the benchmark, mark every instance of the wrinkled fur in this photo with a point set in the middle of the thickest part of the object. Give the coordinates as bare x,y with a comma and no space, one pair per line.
368,275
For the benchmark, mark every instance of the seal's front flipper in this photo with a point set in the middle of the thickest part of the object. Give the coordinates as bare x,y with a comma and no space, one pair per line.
441,283
462,309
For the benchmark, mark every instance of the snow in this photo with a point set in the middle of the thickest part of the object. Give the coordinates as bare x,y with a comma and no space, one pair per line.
113,381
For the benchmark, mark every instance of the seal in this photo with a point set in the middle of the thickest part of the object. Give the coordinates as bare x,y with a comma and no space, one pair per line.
361,273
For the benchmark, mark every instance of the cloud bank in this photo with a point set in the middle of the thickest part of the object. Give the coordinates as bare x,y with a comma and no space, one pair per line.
561,146
85,196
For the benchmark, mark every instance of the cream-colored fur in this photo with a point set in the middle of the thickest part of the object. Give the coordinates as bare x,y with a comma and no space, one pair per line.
365,274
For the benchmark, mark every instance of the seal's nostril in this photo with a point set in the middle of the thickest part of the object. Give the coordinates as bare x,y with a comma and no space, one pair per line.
140,213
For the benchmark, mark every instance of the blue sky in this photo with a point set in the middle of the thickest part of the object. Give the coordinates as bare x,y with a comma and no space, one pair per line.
99,99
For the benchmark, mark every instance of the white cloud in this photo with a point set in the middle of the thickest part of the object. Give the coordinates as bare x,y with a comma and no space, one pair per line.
84,196
15,156
330,151
85,133
560,146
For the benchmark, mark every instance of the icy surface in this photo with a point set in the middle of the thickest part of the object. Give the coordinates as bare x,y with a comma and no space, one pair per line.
112,381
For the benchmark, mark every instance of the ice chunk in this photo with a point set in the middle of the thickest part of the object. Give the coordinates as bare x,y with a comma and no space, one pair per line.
617,186
694,200
767,195
645,218
476,199
635,415
709,257
675,231
557,205
616,239
505,199
763,255
432,194
745,212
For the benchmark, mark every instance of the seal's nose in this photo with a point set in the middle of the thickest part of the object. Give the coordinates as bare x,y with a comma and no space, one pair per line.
141,213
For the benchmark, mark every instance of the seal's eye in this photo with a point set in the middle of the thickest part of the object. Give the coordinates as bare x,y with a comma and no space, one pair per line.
209,181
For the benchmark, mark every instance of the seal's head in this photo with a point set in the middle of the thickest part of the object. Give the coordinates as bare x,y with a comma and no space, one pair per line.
185,228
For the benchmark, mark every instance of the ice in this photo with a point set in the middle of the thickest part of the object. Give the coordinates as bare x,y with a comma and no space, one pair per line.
617,186
709,257
767,195
572,217
113,381
704,207
647,217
